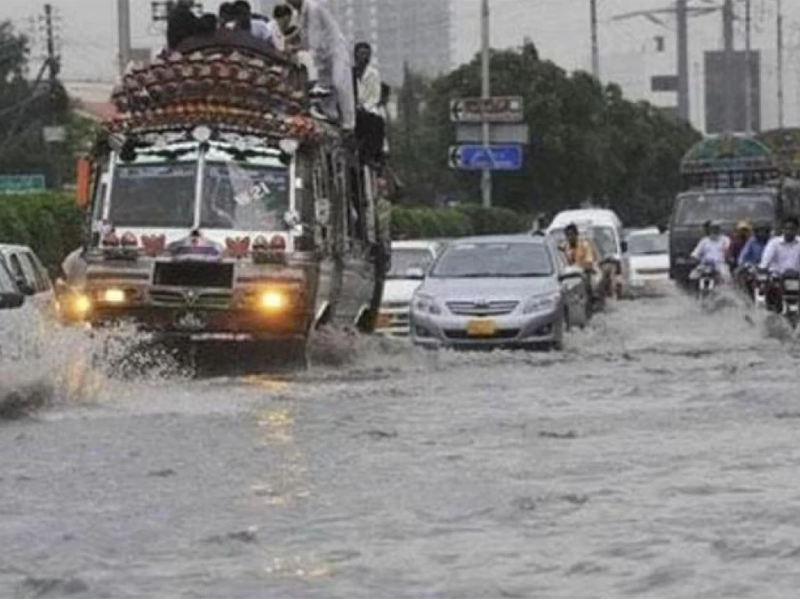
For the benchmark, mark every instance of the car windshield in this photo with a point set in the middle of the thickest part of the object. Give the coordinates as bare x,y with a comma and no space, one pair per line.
728,208
153,195
494,259
407,258
642,244
244,196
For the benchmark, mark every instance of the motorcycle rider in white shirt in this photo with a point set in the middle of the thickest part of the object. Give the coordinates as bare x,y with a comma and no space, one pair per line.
782,254
713,250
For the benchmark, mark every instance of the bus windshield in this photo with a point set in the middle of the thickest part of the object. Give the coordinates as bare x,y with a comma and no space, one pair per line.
696,209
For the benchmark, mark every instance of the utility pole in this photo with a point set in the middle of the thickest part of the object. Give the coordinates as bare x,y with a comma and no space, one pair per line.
595,44
53,65
684,110
780,65
728,79
124,35
486,175
748,75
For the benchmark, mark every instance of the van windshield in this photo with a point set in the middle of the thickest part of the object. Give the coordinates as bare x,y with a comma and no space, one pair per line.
696,209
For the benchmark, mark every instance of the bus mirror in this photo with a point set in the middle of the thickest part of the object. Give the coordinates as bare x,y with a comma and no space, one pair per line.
83,182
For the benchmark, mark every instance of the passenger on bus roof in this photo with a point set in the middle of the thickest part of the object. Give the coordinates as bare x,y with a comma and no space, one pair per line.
321,36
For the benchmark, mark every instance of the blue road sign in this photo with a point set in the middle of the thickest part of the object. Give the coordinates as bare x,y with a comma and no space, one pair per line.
492,158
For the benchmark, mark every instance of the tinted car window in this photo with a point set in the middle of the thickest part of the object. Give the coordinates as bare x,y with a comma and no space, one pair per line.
42,278
15,266
28,271
6,282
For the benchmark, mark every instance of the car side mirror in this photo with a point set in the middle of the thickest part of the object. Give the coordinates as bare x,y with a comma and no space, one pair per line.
25,287
11,300
415,273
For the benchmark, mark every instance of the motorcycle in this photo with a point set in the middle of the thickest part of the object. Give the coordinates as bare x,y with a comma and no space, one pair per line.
790,297
707,280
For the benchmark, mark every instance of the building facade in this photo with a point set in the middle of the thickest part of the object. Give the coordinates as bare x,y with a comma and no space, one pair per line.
418,33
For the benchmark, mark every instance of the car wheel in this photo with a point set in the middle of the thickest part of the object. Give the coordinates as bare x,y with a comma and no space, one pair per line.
557,344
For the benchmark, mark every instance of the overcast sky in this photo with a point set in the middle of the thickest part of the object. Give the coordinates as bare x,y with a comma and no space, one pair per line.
560,28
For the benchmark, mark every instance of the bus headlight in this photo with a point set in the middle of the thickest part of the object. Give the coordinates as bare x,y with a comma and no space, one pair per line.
113,296
81,305
273,301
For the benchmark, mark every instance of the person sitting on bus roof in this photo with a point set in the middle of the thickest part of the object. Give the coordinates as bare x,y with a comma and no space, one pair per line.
182,23
279,26
247,21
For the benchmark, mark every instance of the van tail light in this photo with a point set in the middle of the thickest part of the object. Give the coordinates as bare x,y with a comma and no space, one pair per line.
237,247
129,240
277,243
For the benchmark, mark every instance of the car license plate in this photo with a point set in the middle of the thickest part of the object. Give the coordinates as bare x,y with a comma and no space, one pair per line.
481,328
190,322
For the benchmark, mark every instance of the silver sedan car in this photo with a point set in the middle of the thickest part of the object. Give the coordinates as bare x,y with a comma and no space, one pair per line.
503,291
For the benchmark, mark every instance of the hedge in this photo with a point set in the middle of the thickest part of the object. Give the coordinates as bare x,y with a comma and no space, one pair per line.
411,223
48,223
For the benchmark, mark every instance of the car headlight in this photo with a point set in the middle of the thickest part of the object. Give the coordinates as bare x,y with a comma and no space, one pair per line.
542,303
426,304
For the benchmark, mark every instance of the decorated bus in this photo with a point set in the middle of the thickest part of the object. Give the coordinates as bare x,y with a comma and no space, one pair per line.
217,208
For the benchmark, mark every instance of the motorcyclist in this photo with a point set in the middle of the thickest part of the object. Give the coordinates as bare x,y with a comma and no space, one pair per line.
580,254
578,250
750,257
740,238
712,250
781,256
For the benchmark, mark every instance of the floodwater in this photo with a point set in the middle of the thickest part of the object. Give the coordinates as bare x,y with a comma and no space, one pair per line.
657,456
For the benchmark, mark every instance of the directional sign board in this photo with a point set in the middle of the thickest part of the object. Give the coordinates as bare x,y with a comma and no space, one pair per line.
491,158
499,133
501,109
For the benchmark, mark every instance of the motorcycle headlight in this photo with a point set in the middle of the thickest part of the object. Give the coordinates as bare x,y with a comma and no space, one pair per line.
542,303
426,304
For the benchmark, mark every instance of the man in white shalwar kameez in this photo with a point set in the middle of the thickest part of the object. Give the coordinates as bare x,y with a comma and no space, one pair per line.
322,37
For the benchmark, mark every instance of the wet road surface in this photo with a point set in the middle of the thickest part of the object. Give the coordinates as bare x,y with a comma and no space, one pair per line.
657,456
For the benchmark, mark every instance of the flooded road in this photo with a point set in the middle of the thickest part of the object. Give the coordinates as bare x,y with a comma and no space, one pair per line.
657,456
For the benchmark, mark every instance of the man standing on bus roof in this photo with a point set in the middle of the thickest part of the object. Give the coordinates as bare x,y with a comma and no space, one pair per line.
322,36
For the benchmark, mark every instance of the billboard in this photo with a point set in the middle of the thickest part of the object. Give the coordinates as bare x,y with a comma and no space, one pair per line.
723,104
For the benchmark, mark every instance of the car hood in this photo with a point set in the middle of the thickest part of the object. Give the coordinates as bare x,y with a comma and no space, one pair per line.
400,290
490,289
652,261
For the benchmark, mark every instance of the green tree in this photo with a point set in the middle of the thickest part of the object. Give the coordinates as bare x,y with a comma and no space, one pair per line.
587,142
27,104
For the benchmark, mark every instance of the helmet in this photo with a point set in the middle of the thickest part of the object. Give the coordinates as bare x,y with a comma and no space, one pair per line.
743,226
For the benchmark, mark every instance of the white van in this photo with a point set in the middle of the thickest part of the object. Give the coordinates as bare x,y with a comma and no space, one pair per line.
605,227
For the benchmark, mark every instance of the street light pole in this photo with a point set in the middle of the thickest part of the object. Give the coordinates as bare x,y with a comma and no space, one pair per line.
780,65
124,34
748,75
486,175
595,44
683,60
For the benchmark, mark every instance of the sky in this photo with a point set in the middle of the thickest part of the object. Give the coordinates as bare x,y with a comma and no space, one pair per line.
559,28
